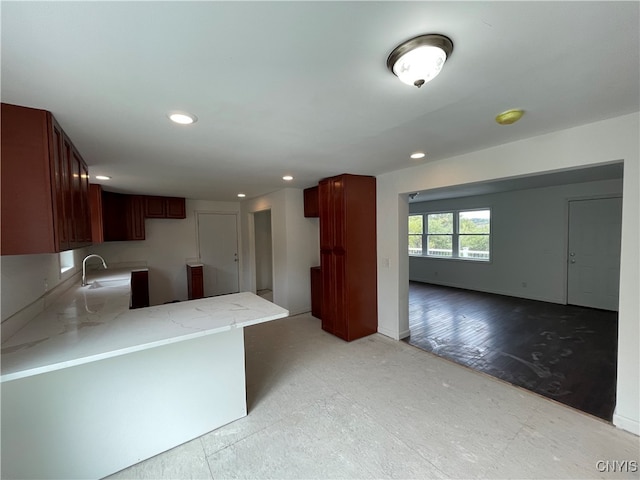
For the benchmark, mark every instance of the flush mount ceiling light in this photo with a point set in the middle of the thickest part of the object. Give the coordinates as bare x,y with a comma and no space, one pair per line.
419,60
182,118
102,177
287,178
417,155
509,117
241,195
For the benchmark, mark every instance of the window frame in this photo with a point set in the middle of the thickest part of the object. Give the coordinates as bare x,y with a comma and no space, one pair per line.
455,236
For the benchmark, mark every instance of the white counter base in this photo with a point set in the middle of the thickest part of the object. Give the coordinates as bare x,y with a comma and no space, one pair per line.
94,419
90,387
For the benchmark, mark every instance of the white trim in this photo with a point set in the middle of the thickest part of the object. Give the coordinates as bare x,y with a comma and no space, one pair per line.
390,334
628,424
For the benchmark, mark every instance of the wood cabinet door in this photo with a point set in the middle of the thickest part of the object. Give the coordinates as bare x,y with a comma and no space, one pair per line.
195,282
61,188
114,212
135,217
139,288
176,207
311,207
95,207
326,216
155,207
76,199
316,292
328,306
85,207
339,295
338,213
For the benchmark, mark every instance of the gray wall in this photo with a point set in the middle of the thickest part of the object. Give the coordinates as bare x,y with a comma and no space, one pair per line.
528,242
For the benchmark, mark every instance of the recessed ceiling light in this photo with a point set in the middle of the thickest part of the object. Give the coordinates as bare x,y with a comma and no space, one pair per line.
102,177
183,118
417,155
287,178
241,195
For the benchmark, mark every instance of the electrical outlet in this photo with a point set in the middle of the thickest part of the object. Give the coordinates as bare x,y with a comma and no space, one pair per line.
524,284
46,285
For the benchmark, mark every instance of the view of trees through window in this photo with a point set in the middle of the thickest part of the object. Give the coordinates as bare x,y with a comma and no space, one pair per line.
463,234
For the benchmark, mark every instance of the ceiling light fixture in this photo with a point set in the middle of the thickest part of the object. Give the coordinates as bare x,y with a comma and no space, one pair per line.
182,118
102,177
509,117
241,195
417,155
420,60
287,178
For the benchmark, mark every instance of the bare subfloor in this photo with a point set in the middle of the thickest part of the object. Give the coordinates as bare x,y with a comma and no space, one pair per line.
320,407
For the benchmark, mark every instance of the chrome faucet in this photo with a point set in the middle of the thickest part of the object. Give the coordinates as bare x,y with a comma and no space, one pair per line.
84,267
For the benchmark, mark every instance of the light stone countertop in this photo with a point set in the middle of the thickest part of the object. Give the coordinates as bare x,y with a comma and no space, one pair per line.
94,322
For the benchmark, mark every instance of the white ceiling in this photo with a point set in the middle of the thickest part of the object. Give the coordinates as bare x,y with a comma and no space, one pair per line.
301,88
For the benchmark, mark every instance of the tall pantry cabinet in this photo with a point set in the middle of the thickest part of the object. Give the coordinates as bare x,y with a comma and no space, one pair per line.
347,210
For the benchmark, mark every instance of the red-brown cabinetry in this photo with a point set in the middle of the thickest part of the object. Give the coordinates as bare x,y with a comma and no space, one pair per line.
45,185
164,207
195,281
347,208
122,217
139,289
311,202
316,292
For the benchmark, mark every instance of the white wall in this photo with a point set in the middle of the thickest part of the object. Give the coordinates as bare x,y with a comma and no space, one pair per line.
606,141
168,246
28,278
296,247
528,242
264,251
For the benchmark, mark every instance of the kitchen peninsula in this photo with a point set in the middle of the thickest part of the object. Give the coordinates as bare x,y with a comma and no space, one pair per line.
90,387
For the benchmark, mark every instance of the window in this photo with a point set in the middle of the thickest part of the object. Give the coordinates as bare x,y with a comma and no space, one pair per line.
67,261
415,234
459,234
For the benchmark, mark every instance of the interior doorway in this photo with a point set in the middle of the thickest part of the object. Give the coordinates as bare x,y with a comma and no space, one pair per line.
593,276
218,252
566,351
263,254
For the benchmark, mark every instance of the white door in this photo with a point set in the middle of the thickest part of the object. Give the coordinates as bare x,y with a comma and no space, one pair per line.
218,250
594,252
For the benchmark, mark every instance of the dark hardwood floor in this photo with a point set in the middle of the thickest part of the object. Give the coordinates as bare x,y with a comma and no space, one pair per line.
563,352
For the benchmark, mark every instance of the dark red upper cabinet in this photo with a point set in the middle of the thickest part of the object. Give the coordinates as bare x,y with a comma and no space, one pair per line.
155,207
311,208
45,185
176,207
164,207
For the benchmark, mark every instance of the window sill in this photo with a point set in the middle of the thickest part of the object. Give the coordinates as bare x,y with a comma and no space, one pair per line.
455,259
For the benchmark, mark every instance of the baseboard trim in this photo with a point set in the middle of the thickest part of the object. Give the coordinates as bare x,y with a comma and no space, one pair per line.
493,291
388,333
628,424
